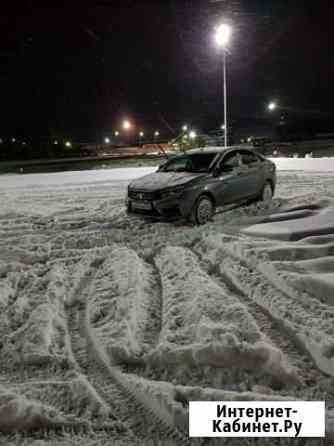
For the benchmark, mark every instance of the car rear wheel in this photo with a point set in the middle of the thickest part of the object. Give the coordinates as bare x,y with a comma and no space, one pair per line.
267,192
203,210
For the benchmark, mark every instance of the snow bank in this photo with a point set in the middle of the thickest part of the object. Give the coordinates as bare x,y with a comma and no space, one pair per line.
305,164
303,316
130,173
205,324
38,316
75,177
123,306
299,225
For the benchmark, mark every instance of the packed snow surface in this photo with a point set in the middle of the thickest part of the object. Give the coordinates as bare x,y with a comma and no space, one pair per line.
110,324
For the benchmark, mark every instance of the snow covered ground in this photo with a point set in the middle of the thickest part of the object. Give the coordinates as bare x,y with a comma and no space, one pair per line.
110,324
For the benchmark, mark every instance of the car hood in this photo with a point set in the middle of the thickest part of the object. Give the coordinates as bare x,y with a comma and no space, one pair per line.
163,180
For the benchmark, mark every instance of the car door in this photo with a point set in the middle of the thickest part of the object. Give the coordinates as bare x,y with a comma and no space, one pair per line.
228,183
252,173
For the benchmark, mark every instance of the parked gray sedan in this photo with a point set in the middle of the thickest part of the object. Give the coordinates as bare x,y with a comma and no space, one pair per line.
195,183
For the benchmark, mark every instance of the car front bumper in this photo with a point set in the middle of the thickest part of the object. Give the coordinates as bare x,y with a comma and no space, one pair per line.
165,207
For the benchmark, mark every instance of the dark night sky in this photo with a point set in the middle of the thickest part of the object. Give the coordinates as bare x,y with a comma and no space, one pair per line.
76,69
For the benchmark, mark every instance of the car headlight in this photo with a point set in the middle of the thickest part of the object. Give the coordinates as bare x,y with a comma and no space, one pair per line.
172,193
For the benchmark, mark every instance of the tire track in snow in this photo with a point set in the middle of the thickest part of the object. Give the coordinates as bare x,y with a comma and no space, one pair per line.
205,326
238,275
133,408
272,331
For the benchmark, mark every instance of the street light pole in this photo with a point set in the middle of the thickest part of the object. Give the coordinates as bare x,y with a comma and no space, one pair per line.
225,98
222,37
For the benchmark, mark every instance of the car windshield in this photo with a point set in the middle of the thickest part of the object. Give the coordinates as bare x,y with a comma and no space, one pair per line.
197,162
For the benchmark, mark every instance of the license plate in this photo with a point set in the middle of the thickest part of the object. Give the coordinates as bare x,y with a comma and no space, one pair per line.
142,205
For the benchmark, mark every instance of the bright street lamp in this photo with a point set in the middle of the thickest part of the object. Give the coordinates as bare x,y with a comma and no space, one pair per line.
223,34
68,144
107,140
272,106
185,128
141,134
116,133
156,134
192,135
222,37
127,124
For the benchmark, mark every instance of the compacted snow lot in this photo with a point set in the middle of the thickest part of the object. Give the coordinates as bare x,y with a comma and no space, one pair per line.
110,324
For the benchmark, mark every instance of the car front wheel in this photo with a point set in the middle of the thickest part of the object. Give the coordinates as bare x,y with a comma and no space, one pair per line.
203,210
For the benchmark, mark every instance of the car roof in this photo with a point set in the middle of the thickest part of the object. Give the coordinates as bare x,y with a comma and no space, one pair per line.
219,149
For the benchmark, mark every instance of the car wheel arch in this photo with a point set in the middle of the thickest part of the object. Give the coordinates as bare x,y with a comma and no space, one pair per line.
270,181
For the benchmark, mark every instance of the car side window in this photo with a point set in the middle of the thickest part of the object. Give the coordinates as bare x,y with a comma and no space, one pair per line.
249,158
229,162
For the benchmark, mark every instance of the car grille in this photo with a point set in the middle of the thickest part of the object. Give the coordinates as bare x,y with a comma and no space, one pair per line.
138,195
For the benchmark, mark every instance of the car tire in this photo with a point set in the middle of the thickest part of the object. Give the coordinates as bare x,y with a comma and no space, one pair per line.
203,210
267,192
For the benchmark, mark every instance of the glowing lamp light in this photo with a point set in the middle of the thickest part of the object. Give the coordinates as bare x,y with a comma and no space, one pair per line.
116,133
192,134
126,125
107,140
55,142
156,133
68,144
272,106
141,134
223,34
185,128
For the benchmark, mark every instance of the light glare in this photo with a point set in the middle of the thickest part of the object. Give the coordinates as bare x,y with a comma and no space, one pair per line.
126,125
272,106
192,134
223,34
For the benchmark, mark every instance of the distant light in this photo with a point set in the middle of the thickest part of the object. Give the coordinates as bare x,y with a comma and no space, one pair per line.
249,139
192,134
272,106
141,134
13,140
55,142
223,34
116,133
68,144
185,128
127,124
223,127
156,133
107,140
185,136
24,143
